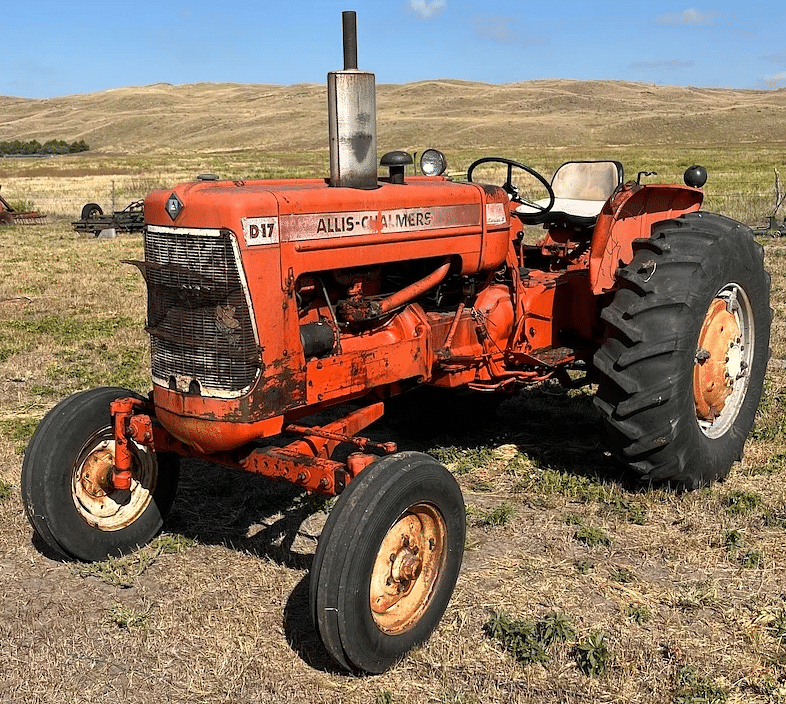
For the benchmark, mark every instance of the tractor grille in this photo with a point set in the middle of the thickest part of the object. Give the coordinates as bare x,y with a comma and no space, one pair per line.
197,312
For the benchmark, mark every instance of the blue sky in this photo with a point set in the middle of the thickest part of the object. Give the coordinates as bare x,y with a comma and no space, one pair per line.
66,47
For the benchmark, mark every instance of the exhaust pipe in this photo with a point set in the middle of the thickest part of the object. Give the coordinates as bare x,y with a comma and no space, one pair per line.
352,117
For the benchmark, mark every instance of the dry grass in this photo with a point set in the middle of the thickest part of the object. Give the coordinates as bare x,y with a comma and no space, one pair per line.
686,590
686,586
144,137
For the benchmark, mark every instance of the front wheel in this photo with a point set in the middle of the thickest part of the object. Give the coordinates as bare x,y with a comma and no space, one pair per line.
387,561
682,367
66,482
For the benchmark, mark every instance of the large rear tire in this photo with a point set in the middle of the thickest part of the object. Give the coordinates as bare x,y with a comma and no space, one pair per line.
682,367
387,561
66,486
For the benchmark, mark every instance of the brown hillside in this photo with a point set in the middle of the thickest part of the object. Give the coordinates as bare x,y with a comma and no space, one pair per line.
449,114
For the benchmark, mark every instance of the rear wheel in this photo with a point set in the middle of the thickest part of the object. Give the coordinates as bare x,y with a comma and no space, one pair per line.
387,561
66,482
682,367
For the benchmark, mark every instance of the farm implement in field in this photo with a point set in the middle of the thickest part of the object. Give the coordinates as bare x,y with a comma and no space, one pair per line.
10,216
269,302
92,219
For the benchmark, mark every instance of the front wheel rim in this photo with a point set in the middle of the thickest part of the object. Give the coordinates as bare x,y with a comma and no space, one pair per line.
407,568
97,502
724,358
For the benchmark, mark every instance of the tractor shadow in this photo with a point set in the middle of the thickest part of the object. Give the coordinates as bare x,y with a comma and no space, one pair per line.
555,428
276,521
216,505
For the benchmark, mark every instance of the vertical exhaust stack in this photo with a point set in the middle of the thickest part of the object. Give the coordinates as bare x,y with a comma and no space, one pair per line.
352,117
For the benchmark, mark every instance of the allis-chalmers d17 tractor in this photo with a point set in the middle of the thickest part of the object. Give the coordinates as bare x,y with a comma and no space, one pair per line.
271,301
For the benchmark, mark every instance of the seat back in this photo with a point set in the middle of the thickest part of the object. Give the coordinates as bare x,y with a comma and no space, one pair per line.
587,180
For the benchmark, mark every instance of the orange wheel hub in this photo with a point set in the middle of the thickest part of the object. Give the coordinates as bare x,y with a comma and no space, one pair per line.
407,568
718,361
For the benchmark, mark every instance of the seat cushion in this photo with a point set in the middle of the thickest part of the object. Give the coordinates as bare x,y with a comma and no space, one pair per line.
580,190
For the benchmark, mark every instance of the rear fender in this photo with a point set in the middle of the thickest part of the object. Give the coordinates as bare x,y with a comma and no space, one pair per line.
629,214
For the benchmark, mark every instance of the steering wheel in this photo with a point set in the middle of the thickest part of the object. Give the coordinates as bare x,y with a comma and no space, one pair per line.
534,212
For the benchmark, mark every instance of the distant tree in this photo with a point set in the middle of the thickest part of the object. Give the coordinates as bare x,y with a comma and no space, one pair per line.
33,147
55,146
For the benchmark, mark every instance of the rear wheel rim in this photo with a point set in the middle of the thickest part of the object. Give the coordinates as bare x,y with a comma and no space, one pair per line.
407,568
724,357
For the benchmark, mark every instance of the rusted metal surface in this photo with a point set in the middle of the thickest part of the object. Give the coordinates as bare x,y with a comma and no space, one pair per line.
122,411
304,462
629,214
9,216
407,568
129,219
102,500
717,361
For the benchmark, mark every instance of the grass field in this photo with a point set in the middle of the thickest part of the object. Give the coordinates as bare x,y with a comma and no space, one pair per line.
577,585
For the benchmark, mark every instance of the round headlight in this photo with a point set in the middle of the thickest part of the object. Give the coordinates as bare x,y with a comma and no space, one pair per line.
433,163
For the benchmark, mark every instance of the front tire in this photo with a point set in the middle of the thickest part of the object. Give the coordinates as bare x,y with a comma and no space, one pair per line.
66,486
387,561
682,367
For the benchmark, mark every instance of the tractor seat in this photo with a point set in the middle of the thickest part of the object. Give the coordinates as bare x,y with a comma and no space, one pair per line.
580,190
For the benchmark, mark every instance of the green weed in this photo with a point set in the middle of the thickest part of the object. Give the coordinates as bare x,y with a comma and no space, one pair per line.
774,519
67,330
462,460
171,543
126,617
117,571
5,489
774,465
695,689
499,516
552,482
592,654
622,575
526,640
554,628
638,613
123,571
740,503
631,511
732,540
517,637
591,536
751,560
19,432
584,566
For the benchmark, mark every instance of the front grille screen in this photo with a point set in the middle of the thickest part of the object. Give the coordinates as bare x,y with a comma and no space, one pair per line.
197,312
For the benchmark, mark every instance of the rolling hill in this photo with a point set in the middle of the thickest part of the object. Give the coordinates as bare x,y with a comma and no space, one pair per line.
451,114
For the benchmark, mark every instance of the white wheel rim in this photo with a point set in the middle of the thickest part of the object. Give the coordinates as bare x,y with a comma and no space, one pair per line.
738,363
97,502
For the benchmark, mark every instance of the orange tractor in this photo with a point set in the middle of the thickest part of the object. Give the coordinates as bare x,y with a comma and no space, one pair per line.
271,301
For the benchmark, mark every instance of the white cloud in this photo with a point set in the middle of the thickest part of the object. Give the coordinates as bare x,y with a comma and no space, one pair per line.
776,58
670,64
500,29
689,16
773,82
427,9
496,28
